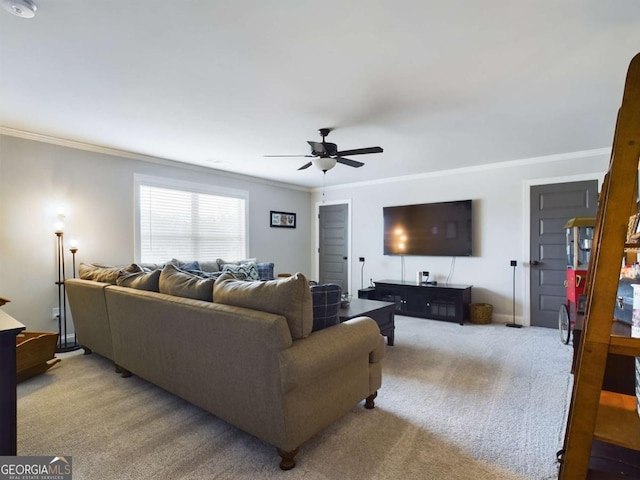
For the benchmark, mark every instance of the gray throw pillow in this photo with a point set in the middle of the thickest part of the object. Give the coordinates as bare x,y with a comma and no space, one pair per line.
186,266
174,281
289,297
141,280
209,266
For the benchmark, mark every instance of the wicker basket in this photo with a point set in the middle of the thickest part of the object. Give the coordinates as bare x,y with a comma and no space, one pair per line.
481,313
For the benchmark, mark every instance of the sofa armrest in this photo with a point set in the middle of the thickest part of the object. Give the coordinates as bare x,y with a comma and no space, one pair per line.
89,312
329,349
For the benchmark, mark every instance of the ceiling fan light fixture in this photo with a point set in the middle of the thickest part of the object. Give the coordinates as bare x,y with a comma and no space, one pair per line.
325,155
20,8
324,163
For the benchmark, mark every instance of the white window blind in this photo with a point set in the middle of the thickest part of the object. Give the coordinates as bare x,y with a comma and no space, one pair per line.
189,222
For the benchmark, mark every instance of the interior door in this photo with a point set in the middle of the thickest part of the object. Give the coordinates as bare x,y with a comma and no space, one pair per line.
333,245
551,207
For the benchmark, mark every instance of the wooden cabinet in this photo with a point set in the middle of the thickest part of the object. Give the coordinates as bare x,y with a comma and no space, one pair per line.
9,328
440,302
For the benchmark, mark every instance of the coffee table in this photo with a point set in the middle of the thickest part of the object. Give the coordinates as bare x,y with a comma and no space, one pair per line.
382,312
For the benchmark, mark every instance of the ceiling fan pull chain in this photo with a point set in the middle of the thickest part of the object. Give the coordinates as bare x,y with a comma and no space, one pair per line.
324,176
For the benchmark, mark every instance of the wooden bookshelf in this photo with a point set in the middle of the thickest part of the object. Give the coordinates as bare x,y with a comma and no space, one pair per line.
596,415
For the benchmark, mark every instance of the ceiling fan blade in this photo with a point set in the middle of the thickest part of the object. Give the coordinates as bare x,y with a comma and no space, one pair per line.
347,161
360,151
306,165
317,147
287,155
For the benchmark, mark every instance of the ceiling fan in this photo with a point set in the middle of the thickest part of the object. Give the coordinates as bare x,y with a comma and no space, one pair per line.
325,155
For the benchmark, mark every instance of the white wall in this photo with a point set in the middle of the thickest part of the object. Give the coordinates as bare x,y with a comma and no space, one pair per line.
501,231
96,191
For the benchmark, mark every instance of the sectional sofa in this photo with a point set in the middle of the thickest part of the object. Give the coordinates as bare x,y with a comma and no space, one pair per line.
248,355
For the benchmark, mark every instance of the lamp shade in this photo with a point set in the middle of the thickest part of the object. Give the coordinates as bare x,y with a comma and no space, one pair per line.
324,163
20,8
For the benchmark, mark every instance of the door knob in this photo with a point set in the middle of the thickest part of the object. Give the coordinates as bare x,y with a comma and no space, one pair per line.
344,258
534,262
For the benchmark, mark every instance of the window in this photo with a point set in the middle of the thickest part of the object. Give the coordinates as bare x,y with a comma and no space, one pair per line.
188,221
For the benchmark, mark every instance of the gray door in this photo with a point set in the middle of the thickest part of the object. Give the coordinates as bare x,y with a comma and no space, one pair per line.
334,240
551,207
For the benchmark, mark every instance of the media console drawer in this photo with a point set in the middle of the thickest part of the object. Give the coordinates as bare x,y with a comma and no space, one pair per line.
441,302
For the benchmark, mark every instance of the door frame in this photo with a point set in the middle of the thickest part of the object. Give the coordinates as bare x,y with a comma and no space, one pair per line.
524,277
316,240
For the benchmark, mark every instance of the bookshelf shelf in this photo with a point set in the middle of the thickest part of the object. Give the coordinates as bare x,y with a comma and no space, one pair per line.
617,421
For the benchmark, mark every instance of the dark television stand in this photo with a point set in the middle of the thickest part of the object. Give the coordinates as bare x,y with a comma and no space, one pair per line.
440,302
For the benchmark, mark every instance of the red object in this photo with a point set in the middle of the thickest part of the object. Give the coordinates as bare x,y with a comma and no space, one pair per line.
576,281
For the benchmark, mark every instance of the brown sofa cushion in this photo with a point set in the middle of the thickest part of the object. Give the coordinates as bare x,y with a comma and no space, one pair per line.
174,281
289,297
104,273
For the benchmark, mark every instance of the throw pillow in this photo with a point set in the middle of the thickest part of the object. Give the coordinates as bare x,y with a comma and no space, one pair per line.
174,281
222,262
326,302
186,266
265,270
209,266
289,297
204,274
147,267
141,280
245,271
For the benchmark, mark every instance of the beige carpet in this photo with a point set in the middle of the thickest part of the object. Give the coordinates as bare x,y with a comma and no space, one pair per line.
457,402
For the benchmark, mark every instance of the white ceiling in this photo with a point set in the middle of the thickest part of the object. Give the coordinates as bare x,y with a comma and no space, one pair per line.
438,84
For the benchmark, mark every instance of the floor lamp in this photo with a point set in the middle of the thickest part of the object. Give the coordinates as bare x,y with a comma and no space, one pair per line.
64,344
514,264
73,249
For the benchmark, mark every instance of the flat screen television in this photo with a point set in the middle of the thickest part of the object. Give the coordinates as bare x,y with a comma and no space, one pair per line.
429,229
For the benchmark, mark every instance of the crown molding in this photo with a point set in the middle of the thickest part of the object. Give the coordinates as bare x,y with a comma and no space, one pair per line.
477,168
89,147
187,166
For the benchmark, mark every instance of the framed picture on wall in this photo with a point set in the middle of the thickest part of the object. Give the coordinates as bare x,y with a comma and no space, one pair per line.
283,219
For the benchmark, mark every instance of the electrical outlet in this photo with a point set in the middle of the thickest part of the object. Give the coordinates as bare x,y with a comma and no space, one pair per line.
362,259
55,314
